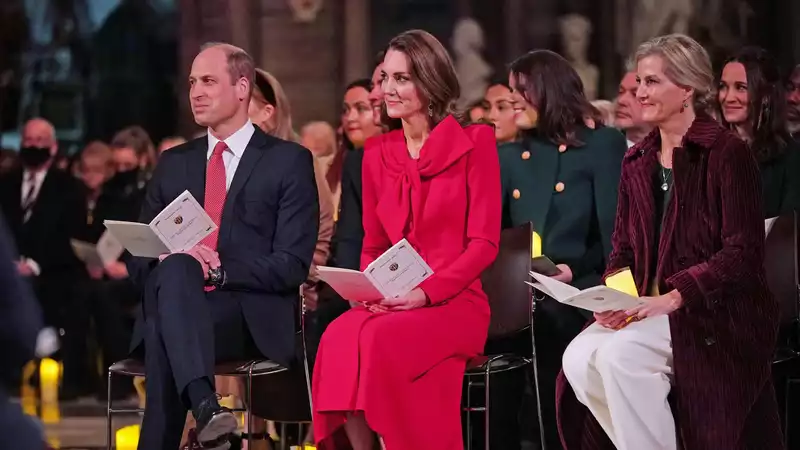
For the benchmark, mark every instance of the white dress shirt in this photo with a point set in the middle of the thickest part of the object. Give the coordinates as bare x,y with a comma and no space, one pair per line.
237,143
29,179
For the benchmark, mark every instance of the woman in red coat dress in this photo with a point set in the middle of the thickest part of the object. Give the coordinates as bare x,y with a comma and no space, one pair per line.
690,227
395,368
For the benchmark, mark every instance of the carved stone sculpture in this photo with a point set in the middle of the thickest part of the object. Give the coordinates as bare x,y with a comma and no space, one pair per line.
472,70
575,33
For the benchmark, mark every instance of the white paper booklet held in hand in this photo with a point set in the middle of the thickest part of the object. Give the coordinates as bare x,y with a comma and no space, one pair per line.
106,251
595,299
393,274
178,227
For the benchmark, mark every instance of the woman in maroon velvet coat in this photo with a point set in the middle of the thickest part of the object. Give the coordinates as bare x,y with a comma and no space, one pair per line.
689,225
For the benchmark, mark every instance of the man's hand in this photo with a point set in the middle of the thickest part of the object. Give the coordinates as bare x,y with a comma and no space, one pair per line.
117,270
24,268
208,258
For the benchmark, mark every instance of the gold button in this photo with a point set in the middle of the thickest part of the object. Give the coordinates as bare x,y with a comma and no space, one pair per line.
562,148
516,194
526,155
559,187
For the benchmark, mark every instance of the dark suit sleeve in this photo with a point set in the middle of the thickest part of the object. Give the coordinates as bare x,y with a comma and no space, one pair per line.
349,231
71,223
152,204
295,237
790,197
19,309
607,171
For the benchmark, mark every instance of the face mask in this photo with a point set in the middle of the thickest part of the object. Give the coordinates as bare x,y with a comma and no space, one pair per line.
34,157
125,179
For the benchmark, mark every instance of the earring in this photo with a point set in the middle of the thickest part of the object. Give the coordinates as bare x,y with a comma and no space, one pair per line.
430,109
684,106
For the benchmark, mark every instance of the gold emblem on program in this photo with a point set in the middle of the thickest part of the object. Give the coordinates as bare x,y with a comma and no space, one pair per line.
394,267
178,220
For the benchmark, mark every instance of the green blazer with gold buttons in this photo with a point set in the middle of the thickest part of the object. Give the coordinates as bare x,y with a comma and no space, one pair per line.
569,194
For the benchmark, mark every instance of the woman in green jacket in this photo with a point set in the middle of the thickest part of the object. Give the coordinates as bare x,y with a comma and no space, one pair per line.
563,178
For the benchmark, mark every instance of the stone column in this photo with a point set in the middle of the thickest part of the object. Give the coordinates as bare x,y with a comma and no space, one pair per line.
356,45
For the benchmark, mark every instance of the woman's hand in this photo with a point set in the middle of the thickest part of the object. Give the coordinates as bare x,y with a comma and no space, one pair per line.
656,306
412,300
612,319
566,274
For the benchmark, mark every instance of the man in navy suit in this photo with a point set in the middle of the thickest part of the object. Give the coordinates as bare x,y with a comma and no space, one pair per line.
233,296
22,322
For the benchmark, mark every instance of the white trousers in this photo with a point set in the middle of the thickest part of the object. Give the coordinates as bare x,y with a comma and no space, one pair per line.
623,377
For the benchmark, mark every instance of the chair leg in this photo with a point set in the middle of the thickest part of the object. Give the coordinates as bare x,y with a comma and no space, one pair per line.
109,444
284,438
786,399
249,408
469,413
486,402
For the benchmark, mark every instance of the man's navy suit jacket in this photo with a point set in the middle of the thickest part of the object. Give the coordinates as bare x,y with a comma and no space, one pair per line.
266,237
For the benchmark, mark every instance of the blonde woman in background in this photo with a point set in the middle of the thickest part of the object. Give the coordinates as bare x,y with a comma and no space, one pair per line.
320,138
607,111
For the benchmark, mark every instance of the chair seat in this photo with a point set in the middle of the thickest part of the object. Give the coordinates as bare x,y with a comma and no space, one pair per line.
494,363
134,368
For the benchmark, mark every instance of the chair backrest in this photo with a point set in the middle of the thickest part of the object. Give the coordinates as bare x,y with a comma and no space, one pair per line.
510,298
780,264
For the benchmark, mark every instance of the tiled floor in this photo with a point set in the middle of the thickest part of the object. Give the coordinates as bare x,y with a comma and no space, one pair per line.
83,426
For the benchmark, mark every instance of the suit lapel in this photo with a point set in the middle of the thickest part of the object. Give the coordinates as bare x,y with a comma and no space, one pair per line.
542,170
250,157
196,171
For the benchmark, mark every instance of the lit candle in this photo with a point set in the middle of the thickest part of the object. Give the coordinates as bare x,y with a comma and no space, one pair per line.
49,374
622,280
127,438
536,245
27,390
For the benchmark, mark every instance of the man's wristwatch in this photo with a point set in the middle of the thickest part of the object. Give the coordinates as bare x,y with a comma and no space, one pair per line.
216,277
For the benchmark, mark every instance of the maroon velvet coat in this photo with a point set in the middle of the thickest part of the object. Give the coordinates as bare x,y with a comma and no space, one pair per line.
711,250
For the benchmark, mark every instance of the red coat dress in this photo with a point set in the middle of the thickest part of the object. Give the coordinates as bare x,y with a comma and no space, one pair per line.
404,370
711,249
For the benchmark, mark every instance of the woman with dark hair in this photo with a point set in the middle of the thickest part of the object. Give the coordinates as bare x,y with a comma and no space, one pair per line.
499,106
394,367
752,102
563,178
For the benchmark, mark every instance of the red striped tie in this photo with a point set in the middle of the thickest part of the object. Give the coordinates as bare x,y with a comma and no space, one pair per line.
215,192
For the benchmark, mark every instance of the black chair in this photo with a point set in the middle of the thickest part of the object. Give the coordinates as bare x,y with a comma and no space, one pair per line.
512,307
249,370
781,266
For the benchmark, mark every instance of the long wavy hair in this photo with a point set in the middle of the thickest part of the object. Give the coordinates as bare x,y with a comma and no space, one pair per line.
550,84
766,102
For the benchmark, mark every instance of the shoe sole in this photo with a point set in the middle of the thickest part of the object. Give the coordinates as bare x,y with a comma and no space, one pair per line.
220,426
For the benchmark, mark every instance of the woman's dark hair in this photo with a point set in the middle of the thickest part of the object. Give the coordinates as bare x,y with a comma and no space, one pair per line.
497,81
366,84
433,75
549,83
766,109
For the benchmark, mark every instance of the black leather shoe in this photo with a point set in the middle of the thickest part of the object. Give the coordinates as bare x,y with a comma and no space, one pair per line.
214,424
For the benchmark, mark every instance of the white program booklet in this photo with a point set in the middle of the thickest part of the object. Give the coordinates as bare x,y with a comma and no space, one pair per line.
107,250
393,274
595,299
178,227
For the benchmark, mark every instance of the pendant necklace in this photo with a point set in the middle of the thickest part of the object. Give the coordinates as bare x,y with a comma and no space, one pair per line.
665,179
